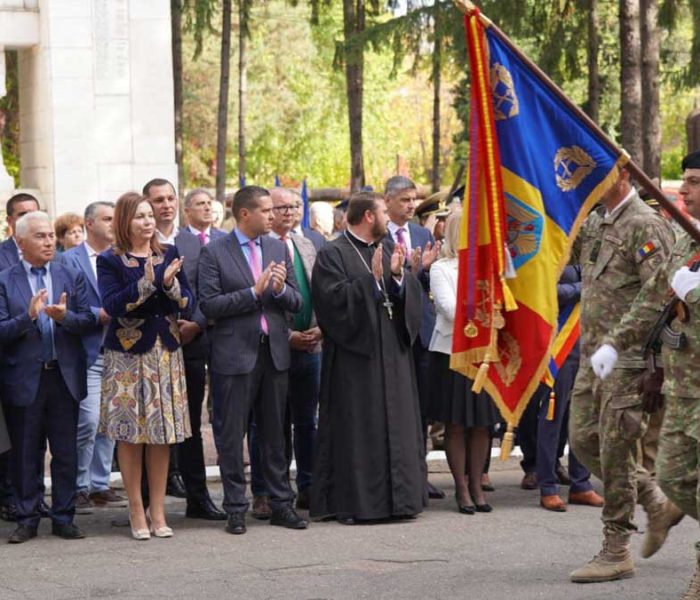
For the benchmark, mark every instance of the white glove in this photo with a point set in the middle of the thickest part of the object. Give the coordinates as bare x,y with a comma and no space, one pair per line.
684,281
603,360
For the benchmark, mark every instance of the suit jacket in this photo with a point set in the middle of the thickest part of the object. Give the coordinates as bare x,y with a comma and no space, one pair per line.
307,253
443,285
19,335
9,256
79,259
316,238
141,312
420,236
225,282
189,246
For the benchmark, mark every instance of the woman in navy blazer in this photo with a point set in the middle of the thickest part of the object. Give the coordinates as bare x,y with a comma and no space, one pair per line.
144,397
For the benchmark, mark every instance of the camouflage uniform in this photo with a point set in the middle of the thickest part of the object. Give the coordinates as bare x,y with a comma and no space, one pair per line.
618,254
677,461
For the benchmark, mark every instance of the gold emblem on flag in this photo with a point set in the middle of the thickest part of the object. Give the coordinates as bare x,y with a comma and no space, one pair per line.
471,330
505,101
510,358
571,167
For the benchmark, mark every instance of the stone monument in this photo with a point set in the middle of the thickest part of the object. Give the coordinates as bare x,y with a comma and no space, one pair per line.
95,97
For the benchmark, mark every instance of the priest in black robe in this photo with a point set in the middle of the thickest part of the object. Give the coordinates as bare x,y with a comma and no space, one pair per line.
369,461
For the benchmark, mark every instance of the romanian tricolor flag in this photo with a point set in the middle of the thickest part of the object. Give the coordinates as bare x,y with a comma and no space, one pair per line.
535,170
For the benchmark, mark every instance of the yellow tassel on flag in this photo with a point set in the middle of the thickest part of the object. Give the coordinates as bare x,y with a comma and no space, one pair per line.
480,378
508,298
507,443
551,407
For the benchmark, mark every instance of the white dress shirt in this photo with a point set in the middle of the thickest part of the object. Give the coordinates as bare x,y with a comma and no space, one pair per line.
92,255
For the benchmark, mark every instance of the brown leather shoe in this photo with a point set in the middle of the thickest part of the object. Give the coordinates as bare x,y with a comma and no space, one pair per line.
589,498
261,508
553,502
529,481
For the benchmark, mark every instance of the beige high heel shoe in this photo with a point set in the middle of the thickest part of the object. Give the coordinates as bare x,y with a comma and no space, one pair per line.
162,532
139,534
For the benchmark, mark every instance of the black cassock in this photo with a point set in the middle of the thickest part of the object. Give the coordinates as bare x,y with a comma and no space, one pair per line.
370,459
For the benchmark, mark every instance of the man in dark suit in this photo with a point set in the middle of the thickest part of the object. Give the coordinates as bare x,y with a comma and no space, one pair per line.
419,245
200,216
44,311
187,458
247,286
95,450
17,206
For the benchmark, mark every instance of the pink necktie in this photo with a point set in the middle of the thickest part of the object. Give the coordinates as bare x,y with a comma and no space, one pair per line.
203,238
400,238
256,269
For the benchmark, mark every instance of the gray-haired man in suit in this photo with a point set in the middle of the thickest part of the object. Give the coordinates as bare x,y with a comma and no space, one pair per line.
247,286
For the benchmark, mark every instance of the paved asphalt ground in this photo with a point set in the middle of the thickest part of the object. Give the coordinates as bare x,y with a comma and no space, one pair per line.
519,551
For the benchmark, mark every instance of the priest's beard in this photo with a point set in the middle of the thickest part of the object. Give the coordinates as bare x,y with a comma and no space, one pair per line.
378,231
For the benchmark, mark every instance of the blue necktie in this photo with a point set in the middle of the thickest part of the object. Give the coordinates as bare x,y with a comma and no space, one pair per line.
43,319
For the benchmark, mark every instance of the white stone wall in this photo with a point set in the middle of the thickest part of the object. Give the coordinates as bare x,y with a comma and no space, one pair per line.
96,100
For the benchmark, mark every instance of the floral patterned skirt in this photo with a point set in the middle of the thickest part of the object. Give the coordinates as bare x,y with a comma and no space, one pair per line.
144,397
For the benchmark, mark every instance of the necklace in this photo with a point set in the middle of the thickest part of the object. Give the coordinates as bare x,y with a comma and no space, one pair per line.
387,304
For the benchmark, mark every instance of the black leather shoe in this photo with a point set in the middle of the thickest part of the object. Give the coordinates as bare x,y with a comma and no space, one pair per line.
22,534
484,508
287,517
67,531
44,509
176,487
204,508
236,524
435,493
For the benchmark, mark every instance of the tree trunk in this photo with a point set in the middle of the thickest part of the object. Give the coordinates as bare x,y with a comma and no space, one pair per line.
651,113
242,85
176,36
354,22
593,108
222,119
630,80
437,65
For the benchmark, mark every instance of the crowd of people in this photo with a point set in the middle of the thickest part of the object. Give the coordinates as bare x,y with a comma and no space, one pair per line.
329,346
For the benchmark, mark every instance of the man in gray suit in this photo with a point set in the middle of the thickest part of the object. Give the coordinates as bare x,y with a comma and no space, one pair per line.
247,285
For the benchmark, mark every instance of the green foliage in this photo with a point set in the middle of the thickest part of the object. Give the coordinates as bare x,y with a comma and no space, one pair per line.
9,117
297,107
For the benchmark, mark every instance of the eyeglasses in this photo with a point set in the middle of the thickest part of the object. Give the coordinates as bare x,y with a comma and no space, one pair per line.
287,208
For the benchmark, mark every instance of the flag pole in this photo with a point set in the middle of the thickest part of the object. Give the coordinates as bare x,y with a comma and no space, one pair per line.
468,8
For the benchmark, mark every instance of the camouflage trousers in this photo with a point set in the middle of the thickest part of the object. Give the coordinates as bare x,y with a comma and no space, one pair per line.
679,447
605,425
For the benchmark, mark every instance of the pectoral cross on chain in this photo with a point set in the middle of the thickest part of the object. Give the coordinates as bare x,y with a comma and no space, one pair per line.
388,304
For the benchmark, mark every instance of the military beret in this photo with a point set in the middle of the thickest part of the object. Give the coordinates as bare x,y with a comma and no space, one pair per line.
691,161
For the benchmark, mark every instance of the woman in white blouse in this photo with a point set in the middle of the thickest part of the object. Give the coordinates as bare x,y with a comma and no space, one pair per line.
467,416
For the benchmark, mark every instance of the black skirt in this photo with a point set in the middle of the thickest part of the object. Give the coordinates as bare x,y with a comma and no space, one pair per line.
451,397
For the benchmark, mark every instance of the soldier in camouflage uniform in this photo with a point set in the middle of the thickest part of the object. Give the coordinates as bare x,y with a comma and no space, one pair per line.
619,248
679,443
